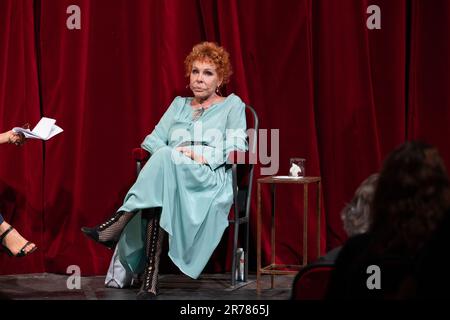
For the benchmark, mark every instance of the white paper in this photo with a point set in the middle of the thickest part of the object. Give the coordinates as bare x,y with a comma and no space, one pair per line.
44,130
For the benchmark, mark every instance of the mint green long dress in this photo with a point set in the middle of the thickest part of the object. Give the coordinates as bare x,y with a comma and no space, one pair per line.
195,198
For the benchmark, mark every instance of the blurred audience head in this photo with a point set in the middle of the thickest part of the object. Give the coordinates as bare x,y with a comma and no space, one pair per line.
411,198
356,215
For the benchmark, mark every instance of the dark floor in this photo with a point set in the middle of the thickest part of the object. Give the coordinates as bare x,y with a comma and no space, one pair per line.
46,286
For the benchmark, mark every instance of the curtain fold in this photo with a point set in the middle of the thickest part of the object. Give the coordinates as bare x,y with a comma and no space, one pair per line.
359,96
429,78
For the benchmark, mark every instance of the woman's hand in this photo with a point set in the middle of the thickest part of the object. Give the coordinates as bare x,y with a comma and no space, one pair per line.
189,153
17,138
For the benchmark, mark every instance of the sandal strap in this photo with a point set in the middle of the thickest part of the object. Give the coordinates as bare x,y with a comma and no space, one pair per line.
4,234
22,251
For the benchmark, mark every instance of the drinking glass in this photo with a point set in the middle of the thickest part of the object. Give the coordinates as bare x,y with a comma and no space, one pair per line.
297,167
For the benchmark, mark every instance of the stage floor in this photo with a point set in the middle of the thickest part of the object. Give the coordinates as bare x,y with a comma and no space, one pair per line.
46,286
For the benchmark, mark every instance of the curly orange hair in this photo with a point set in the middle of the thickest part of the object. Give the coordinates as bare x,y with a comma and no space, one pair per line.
211,52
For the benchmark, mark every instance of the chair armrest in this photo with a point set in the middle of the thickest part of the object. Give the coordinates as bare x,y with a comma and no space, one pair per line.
140,154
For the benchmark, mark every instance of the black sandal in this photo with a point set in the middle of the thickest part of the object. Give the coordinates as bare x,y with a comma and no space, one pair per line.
22,252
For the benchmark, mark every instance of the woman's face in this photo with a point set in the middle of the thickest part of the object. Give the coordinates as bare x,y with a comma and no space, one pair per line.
204,79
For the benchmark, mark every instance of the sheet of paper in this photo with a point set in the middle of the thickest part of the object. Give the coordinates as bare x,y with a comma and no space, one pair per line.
44,127
44,130
26,132
55,130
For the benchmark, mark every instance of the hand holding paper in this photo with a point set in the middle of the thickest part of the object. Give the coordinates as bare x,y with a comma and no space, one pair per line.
44,130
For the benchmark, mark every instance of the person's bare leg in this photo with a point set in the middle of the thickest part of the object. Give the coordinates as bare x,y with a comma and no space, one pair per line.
14,241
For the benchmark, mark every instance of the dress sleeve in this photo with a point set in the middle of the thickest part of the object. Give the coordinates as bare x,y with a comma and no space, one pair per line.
235,136
159,137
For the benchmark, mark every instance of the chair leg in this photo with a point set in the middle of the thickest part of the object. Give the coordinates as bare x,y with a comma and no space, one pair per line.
236,224
247,236
235,247
233,261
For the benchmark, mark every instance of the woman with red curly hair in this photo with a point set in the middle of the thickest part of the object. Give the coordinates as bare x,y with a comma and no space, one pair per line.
185,178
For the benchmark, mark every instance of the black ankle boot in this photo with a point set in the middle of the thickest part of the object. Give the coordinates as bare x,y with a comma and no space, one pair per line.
109,230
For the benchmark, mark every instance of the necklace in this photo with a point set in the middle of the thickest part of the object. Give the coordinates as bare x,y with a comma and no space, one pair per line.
199,111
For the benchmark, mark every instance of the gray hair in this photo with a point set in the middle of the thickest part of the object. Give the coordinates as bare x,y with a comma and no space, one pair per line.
356,215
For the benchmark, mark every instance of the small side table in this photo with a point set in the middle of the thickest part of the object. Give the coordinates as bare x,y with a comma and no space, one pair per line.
273,268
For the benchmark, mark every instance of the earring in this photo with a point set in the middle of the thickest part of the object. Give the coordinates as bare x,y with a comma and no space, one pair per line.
218,90
187,86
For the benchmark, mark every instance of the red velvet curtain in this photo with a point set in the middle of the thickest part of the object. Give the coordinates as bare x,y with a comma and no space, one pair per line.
273,57
429,76
341,95
107,85
21,168
359,96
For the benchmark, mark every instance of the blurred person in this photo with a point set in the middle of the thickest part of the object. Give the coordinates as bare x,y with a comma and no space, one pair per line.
411,199
356,214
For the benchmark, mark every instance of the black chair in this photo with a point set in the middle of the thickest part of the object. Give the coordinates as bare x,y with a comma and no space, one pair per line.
242,166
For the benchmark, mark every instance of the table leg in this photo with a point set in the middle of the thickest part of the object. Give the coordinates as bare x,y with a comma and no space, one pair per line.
272,283
258,238
318,217
305,224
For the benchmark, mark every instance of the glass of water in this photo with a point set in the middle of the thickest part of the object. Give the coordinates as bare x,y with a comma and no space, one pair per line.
297,167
